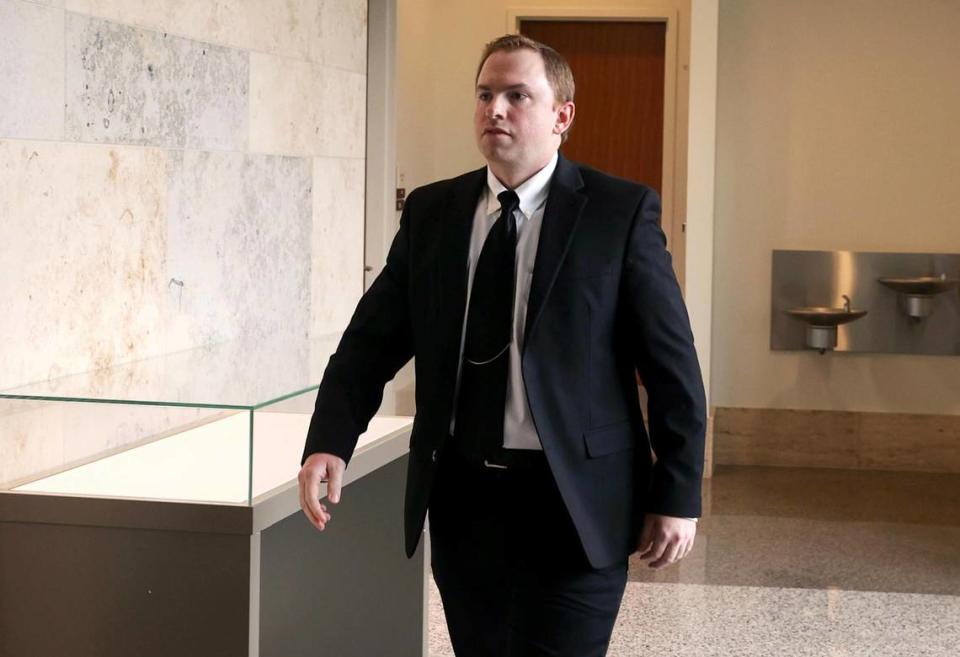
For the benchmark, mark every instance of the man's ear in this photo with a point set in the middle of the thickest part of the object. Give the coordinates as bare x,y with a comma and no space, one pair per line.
564,117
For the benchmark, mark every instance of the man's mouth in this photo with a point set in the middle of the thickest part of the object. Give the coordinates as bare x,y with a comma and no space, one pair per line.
495,131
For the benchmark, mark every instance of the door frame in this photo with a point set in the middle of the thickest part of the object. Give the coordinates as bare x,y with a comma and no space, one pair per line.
675,101
380,219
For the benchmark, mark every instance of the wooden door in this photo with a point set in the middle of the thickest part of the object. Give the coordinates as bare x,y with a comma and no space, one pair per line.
619,69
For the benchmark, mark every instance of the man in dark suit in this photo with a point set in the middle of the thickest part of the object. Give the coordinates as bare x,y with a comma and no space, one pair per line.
530,292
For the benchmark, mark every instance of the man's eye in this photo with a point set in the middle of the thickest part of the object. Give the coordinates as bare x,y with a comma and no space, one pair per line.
483,95
517,95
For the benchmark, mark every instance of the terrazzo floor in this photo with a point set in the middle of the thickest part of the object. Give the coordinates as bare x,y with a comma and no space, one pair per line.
796,562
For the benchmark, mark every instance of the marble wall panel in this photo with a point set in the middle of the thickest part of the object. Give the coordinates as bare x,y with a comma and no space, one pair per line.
910,441
46,3
337,242
839,495
341,34
238,236
322,346
299,108
31,71
84,241
98,237
128,85
343,105
759,436
284,117
837,439
281,28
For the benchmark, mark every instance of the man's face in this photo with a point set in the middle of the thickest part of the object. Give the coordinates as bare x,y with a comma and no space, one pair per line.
516,118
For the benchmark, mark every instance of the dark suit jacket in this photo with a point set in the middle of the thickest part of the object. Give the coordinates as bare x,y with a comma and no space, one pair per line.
603,301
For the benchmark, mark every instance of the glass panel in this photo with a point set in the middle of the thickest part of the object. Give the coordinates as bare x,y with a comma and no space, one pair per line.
239,373
176,427
279,432
280,429
125,450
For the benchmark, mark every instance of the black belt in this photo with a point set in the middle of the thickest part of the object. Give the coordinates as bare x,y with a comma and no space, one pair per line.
503,458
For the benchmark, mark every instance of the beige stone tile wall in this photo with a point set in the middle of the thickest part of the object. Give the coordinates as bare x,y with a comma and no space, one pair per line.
31,70
83,237
837,439
173,175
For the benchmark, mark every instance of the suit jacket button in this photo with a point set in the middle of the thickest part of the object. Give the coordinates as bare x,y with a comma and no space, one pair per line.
433,457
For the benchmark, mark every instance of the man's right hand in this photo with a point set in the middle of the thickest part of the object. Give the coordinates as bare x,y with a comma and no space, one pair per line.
318,468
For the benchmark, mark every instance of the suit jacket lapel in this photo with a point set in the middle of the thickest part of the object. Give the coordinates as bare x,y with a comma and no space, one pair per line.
560,217
452,264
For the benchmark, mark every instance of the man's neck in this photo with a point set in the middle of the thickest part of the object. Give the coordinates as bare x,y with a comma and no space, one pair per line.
513,178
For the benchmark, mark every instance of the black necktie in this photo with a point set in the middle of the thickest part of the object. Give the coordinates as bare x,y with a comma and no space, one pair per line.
486,351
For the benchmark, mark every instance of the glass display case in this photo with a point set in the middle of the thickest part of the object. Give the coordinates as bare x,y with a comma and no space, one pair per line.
190,460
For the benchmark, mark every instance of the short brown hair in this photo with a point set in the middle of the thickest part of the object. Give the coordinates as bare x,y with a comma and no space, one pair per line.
558,71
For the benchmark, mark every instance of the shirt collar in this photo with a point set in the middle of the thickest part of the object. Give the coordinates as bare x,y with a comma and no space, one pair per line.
532,193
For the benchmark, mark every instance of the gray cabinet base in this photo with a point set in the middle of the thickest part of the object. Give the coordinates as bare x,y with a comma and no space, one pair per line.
104,578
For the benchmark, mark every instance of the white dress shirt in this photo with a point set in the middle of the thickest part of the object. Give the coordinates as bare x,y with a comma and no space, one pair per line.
519,431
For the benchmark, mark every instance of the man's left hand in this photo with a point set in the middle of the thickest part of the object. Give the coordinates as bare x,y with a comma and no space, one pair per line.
665,539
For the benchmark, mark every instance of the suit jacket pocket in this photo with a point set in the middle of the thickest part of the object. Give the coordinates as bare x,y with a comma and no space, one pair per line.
609,439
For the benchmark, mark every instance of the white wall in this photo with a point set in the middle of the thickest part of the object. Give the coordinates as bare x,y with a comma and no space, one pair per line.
836,129
701,161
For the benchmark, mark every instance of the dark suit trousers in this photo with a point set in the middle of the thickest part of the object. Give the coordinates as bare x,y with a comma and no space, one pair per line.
510,567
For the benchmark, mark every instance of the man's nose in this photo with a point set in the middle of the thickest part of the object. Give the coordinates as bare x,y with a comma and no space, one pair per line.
495,108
